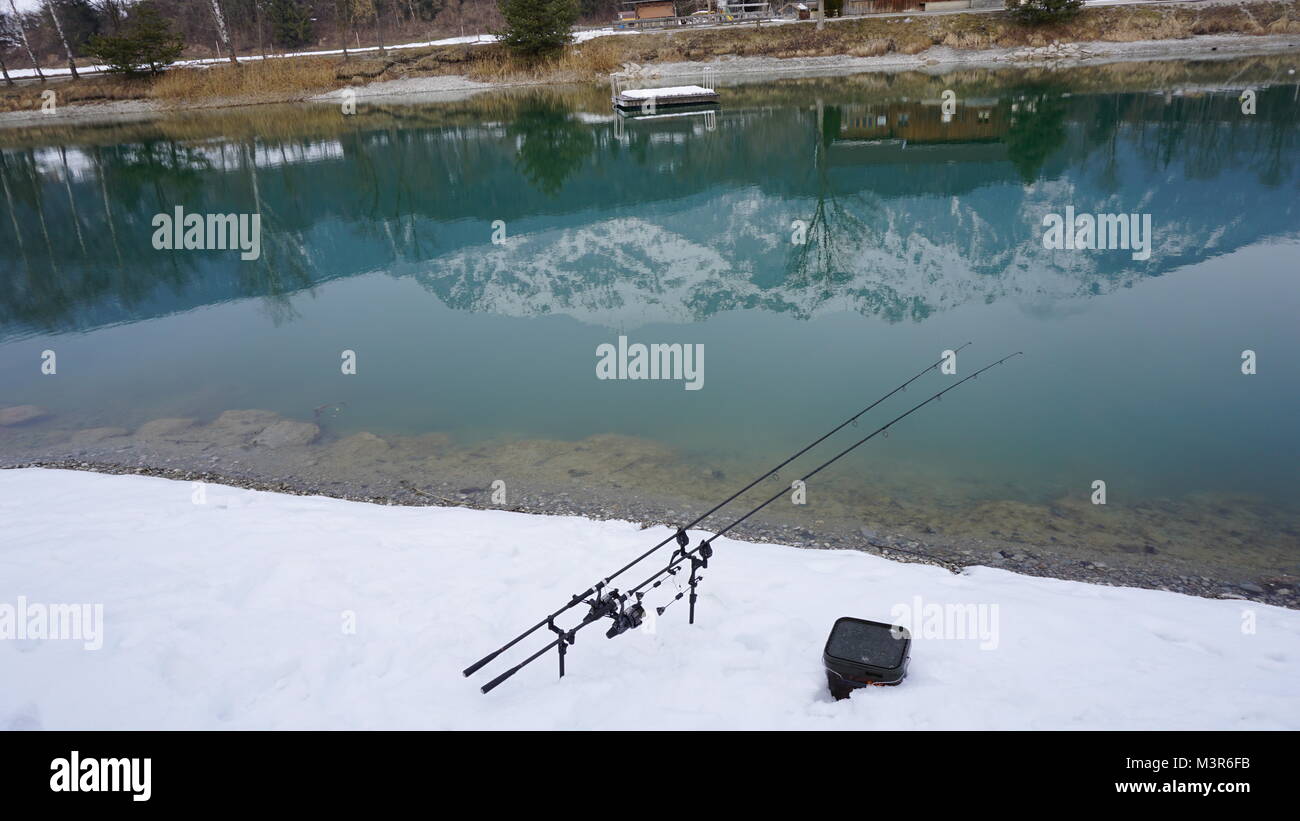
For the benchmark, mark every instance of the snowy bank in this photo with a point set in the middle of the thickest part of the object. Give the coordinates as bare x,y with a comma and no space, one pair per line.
233,613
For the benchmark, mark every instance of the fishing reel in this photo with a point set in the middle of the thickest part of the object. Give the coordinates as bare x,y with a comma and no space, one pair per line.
600,606
625,620
614,606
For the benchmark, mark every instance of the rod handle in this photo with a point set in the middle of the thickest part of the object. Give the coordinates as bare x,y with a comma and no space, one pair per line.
474,668
491,685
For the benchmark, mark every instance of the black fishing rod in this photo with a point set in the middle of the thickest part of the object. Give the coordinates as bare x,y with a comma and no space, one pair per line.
627,617
705,547
680,535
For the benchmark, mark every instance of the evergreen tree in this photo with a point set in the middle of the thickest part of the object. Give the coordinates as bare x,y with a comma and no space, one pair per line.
536,28
291,23
426,10
146,43
1035,12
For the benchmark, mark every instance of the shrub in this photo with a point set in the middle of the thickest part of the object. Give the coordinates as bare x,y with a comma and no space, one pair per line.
1036,12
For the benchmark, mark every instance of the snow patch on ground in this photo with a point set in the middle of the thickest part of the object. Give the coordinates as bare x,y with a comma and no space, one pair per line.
473,39
230,614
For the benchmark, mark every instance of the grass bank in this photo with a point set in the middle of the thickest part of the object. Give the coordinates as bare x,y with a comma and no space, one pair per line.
287,79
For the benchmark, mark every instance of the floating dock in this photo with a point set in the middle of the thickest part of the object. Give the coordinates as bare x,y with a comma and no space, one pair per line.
664,97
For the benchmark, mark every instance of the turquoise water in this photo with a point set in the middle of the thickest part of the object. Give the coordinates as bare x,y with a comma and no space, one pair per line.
922,235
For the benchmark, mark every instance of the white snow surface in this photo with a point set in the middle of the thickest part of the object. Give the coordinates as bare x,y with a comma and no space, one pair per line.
229,614
671,91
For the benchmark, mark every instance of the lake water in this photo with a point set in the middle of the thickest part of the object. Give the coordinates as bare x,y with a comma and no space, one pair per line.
923,230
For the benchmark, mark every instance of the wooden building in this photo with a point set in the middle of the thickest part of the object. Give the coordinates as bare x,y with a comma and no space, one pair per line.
650,9
925,121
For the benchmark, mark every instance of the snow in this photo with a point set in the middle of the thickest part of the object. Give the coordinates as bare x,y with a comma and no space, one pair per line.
230,614
671,91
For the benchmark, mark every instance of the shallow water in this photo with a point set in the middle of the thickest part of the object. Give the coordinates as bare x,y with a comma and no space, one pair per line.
923,232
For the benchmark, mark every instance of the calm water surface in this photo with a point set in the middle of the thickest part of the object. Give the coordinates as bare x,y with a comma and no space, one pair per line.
924,232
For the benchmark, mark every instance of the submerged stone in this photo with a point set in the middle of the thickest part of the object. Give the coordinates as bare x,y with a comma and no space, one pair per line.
359,447
162,428
287,433
250,421
91,436
20,414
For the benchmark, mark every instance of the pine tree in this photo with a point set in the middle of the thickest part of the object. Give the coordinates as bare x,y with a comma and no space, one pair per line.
291,23
1035,12
536,28
146,43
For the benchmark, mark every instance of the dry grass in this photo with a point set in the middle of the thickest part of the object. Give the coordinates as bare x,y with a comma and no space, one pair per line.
1284,25
27,97
594,58
965,40
273,79
872,48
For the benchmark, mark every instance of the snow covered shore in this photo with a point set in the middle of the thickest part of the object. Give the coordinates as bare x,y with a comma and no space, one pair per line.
235,613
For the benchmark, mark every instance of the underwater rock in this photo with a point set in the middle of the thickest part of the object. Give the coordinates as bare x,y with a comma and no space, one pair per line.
251,421
238,427
361,447
163,428
91,436
20,414
426,444
287,433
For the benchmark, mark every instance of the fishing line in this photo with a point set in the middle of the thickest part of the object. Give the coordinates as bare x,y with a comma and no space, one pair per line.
680,535
627,616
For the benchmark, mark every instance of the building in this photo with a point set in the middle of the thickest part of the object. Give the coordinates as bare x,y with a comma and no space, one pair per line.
919,122
649,9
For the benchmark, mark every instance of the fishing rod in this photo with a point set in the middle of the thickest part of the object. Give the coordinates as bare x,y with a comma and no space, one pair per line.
705,547
680,535
627,617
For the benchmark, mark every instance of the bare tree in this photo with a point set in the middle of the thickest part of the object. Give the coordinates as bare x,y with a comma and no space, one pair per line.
22,34
58,26
343,11
110,10
222,32
6,40
833,227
